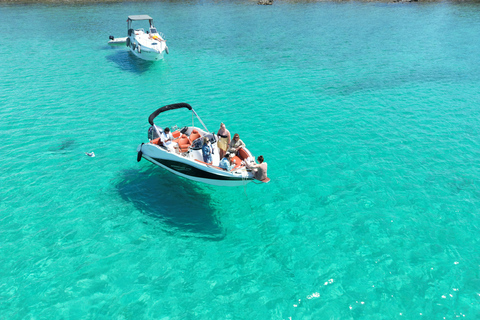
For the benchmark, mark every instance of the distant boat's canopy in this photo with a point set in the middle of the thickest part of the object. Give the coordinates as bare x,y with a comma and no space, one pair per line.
140,17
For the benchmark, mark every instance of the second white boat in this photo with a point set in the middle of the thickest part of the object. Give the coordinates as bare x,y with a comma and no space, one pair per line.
148,45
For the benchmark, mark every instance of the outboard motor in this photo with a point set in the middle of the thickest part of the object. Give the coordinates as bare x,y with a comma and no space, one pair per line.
111,38
152,133
214,138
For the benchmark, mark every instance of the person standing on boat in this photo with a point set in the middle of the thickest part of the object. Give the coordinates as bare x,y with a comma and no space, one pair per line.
207,151
235,144
260,169
223,139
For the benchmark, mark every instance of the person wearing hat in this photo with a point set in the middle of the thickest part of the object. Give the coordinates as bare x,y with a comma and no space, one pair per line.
225,163
207,150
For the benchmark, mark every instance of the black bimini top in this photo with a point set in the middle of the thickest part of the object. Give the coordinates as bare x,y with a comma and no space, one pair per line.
167,108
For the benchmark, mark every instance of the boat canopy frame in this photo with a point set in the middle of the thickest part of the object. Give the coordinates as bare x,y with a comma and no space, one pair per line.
173,107
139,18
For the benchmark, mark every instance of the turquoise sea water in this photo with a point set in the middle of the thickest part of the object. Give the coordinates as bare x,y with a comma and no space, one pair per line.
368,115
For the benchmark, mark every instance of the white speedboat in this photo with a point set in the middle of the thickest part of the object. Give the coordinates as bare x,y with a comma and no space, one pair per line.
148,45
184,156
113,40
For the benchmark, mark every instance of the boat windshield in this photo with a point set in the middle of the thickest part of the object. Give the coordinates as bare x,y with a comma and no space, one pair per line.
153,30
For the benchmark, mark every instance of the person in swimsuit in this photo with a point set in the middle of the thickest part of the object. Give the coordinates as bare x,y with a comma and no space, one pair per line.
223,139
259,170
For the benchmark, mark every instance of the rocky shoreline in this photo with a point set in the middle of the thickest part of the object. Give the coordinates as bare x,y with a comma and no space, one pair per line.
259,2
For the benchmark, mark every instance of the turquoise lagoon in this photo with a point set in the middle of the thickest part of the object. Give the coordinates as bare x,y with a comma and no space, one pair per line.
368,115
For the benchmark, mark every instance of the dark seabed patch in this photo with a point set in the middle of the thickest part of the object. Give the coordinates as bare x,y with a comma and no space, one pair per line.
64,146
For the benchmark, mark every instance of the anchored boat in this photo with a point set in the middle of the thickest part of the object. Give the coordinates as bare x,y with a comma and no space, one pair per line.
113,40
184,155
148,45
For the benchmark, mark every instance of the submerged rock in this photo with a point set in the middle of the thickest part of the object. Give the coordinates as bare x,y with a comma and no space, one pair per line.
265,2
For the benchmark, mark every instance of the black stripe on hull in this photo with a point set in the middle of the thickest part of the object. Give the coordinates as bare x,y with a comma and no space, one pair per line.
192,171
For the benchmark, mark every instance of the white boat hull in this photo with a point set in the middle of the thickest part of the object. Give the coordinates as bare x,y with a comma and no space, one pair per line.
193,169
147,55
141,45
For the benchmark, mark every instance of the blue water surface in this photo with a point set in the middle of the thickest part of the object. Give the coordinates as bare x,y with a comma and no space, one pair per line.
368,115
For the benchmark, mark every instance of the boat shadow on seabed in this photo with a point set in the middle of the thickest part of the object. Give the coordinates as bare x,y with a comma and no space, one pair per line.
128,62
181,206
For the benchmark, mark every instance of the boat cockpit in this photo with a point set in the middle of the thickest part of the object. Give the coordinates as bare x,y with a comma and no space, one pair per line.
188,142
184,140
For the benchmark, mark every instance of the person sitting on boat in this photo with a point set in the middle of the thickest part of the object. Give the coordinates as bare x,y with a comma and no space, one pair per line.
223,139
207,151
235,144
260,169
167,139
225,163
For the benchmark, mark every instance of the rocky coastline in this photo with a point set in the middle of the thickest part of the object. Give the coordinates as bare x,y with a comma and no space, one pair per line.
259,2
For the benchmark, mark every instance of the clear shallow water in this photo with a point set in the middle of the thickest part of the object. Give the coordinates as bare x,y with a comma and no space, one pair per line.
367,114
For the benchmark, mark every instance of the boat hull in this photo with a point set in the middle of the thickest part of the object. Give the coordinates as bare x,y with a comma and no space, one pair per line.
147,55
193,170
144,48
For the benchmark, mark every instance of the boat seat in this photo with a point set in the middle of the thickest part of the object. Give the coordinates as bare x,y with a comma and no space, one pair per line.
179,137
194,135
156,141
176,134
242,153
184,144
237,161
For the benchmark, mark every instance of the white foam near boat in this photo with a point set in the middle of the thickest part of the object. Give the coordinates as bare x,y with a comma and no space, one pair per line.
148,45
184,156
